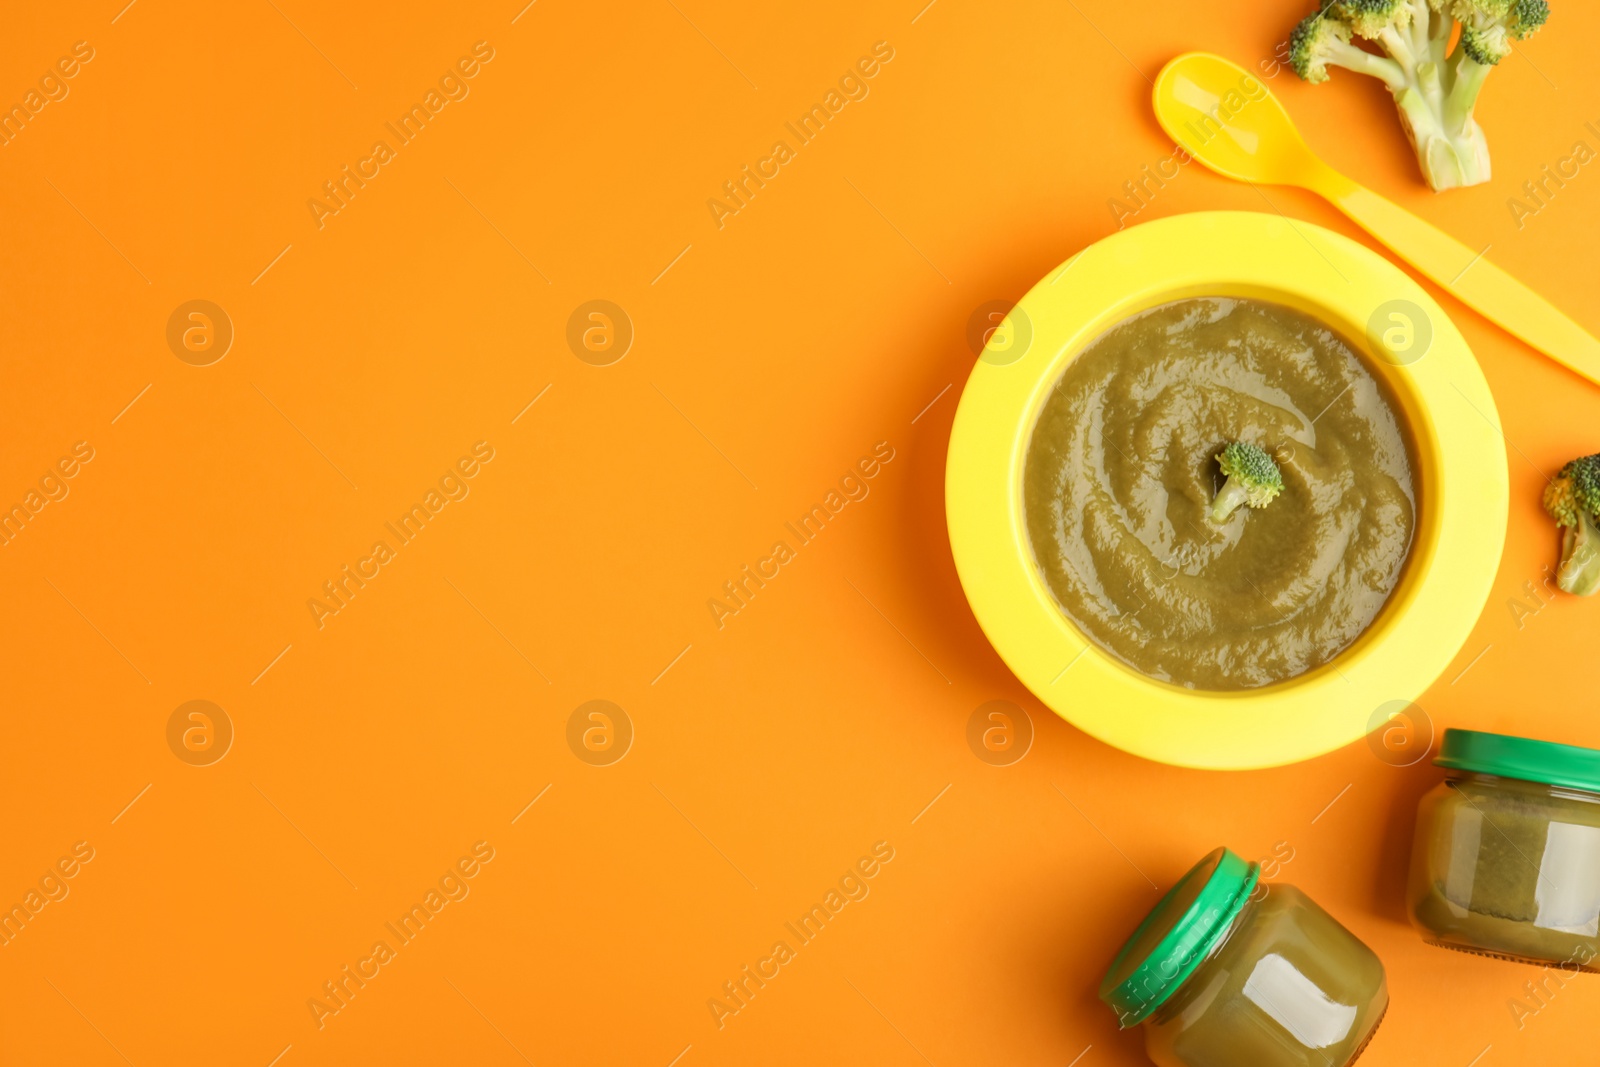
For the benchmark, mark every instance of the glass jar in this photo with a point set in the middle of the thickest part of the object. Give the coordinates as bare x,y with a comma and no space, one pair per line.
1226,972
1506,860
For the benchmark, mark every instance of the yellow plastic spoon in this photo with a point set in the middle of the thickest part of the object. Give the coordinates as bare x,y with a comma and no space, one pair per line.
1225,117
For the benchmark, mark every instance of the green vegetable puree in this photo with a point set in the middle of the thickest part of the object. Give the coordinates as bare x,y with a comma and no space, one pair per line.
1120,476
1509,868
1291,987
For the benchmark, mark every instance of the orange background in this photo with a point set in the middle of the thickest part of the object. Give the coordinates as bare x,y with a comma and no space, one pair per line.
826,316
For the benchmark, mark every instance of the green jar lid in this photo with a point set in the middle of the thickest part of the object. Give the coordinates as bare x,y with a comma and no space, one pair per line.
1177,935
1521,757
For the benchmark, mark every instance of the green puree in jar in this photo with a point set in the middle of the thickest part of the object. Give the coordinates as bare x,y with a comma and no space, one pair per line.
1120,475
1507,855
1228,972
1291,988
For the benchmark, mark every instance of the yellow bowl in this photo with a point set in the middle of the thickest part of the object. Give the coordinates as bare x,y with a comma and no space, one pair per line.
1461,477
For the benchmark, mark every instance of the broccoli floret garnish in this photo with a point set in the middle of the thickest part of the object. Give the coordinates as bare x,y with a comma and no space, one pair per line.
1573,500
1434,88
1253,480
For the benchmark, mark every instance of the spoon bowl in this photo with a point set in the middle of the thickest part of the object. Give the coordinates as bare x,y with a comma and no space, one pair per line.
1224,116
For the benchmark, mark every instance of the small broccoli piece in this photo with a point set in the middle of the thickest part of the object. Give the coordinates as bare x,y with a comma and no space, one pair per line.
1573,500
1253,479
1386,21
1489,26
1435,89
1370,17
1318,42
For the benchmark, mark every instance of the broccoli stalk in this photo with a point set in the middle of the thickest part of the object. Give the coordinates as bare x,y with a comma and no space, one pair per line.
1434,88
1253,480
1573,500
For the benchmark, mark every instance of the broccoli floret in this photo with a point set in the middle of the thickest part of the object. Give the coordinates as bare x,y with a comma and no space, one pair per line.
1253,479
1573,500
1435,89
1489,26
1369,17
1376,20
1318,42
1485,47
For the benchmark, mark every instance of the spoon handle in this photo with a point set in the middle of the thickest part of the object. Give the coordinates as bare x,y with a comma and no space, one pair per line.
1476,282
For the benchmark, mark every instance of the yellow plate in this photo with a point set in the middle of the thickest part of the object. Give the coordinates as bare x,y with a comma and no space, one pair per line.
1461,479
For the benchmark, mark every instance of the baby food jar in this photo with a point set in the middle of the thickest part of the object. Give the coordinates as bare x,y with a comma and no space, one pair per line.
1506,860
1228,973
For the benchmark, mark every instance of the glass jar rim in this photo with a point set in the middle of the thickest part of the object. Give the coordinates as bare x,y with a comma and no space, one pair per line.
1509,756
1185,927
